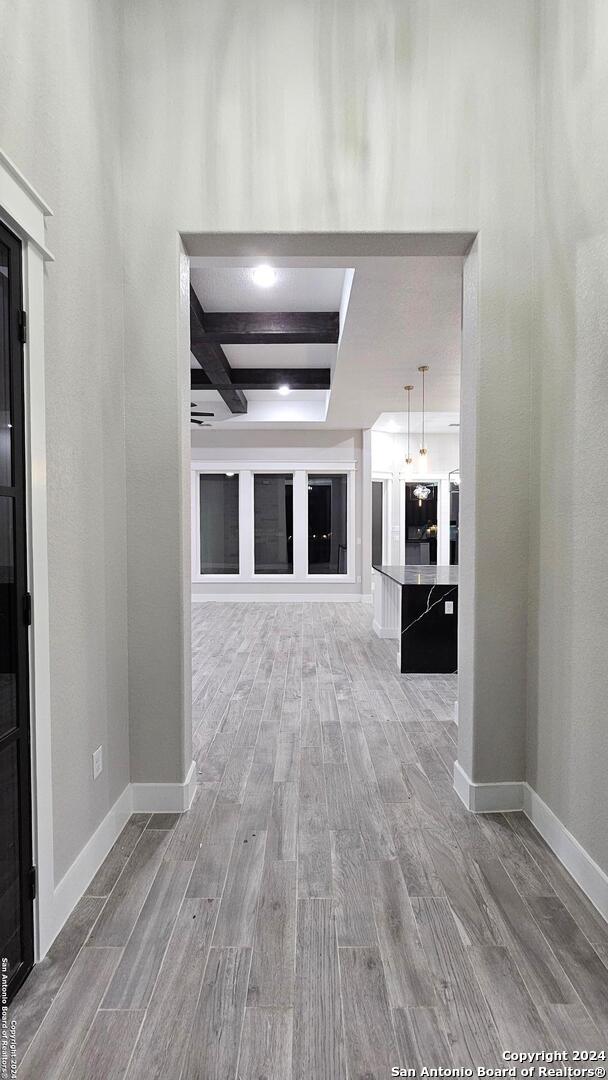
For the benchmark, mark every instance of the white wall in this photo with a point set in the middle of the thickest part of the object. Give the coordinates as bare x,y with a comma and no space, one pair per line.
59,122
404,116
568,637
389,452
306,116
297,445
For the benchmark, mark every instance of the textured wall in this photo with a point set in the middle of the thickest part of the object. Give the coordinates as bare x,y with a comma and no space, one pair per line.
59,121
331,115
567,744
301,115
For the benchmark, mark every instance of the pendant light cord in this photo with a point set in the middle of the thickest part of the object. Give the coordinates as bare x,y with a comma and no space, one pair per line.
409,404
423,370
423,408
408,389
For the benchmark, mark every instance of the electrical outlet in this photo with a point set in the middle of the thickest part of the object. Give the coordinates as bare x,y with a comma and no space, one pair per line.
449,607
97,762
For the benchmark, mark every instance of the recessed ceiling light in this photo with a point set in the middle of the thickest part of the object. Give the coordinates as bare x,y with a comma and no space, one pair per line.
264,276
284,390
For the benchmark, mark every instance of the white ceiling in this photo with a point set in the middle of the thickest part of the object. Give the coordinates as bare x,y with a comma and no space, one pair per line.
295,356
278,356
310,288
402,312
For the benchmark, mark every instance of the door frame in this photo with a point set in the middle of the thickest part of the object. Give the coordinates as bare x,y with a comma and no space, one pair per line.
386,479
19,736
24,213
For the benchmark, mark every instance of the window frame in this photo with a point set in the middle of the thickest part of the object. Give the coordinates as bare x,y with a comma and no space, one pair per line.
197,530
349,514
386,479
300,471
258,576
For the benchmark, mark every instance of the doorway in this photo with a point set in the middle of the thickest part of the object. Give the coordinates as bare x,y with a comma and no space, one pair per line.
16,874
377,522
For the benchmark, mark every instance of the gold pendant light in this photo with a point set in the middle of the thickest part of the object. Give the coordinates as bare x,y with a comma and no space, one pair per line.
423,449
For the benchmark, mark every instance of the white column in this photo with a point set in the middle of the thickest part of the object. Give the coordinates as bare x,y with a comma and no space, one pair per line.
387,607
443,513
300,524
246,539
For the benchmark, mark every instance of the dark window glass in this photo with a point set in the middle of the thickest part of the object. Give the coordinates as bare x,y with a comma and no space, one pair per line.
327,544
421,523
454,523
273,523
8,619
219,523
5,385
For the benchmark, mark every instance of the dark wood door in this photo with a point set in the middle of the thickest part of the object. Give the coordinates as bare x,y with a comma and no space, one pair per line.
16,875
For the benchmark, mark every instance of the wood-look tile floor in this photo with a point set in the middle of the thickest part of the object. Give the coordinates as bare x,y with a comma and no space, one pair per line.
327,908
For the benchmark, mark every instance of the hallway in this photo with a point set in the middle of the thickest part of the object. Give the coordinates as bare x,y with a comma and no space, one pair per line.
327,908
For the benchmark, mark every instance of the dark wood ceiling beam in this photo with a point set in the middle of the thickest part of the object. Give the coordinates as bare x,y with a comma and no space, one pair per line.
212,359
267,379
270,327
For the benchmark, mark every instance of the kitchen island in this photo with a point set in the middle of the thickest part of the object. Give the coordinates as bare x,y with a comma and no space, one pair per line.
418,605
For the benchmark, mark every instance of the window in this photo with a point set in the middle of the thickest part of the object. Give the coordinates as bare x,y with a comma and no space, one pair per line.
273,523
327,525
254,521
421,523
219,517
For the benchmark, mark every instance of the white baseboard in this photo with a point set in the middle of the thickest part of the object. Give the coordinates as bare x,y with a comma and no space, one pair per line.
518,795
55,909
384,631
165,798
487,798
585,871
281,598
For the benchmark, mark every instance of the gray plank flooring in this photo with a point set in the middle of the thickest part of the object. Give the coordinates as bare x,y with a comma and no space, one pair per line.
327,909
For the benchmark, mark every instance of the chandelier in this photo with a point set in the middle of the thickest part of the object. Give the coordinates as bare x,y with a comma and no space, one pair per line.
421,492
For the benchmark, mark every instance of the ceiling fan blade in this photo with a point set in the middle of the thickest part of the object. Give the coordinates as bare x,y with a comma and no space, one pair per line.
199,423
202,414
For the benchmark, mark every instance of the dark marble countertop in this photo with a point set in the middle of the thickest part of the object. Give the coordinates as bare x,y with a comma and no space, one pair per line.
420,575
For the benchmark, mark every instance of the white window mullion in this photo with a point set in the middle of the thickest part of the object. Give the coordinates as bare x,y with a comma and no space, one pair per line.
246,537
351,527
300,524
